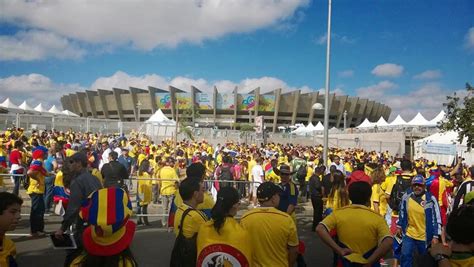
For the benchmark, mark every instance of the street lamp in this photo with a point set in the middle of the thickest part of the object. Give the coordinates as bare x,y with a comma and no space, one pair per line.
139,104
345,120
319,106
326,97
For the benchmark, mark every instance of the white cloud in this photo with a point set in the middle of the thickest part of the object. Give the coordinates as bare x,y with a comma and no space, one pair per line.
149,24
376,90
428,75
36,87
388,70
34,45
346,73
469,42
321,40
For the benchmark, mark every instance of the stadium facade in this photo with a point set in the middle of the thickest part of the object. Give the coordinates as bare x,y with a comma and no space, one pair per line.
223,109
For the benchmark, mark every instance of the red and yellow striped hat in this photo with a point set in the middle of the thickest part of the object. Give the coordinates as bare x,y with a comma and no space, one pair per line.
110,231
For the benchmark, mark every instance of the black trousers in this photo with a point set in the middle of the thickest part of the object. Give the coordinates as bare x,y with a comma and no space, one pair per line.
317,203
37,213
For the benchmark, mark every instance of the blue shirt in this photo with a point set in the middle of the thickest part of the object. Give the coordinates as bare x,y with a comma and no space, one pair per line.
288,196
126,162
48,163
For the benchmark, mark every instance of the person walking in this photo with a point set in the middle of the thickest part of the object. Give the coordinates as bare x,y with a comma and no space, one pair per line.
168,183
363,236
289,194
222,239
272,232
258,177
419,222
81,186
37,173
143,191
51,165
315,190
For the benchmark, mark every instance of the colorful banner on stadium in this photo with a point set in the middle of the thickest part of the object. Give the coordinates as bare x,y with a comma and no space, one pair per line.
266,103
225,101
204,101
185,100
163,100
246,102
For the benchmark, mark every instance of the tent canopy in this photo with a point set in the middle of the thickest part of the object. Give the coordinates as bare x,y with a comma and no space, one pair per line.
381,122
69,113
40,108
418,120
319,127
366,124
160,118
27,108
398,121
8,105
441,115
55,110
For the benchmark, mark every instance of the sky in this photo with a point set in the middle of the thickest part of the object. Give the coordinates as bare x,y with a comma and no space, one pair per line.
408,55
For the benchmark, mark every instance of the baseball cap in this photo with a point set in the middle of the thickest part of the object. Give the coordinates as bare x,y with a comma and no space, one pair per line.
418,180
267,190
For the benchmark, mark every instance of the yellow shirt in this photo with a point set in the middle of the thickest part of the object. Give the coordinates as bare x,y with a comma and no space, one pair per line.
36,186
309,172
232,243
70,152
58,181
8,252
271,232
192,222
357,227
95,172
378,196
144,188
416,220
78,262
251,164
168,188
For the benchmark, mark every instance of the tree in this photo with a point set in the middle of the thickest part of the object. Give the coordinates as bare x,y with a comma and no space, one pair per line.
459,117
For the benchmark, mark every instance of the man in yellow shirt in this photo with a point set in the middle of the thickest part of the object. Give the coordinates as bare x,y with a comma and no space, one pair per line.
10,208
191,191
272,232
363,236
167,186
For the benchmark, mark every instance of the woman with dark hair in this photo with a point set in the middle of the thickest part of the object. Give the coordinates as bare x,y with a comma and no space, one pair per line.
338,196
222,240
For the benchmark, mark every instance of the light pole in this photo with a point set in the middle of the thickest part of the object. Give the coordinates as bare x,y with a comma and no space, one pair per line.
319,106
139,104
326,97
345,121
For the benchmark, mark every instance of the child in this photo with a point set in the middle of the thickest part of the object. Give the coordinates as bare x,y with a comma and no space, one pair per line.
10,206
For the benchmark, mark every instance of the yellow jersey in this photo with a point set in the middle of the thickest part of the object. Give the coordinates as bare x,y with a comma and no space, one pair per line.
231,244
358,227
271,233
192,222
7,253
168,187
416,220
144,189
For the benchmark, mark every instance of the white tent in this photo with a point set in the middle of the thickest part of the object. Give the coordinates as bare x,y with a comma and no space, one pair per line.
55,110
334,130
160,118
443,147
418,120
441,115
381,122
27,108
398,121
301,130
366,124
40,108
8,105
310,127
69,113
319,127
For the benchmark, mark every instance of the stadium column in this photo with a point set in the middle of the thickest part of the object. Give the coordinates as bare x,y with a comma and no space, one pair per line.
277,109
295,106
214,103
90,97
350,113
314,99
342,108
133,92
81,96
372,111
118,100
386,112
102,93
75,104
173,101
361,112
153,105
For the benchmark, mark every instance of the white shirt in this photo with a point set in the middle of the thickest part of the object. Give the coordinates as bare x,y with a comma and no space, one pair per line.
257,173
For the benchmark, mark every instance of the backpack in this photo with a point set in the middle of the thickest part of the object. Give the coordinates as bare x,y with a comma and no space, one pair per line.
302,171
400,187
184,251
226,174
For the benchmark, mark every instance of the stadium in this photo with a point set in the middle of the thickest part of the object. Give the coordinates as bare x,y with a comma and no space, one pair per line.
224,110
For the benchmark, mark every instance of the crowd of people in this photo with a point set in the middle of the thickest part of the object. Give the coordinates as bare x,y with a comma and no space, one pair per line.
367,205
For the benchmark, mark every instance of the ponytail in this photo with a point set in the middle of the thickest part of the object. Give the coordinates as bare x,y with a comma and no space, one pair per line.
227,197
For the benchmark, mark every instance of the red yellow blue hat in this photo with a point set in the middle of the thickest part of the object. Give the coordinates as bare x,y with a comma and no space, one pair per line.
110,231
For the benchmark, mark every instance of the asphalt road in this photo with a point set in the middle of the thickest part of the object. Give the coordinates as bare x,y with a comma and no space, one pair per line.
151,245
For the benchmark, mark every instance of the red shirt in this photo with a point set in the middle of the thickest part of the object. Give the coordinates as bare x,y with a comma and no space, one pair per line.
15,157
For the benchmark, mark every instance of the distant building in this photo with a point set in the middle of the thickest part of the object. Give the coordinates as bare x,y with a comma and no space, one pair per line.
223,109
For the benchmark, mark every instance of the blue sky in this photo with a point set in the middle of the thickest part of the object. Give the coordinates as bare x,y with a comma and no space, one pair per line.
407,54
